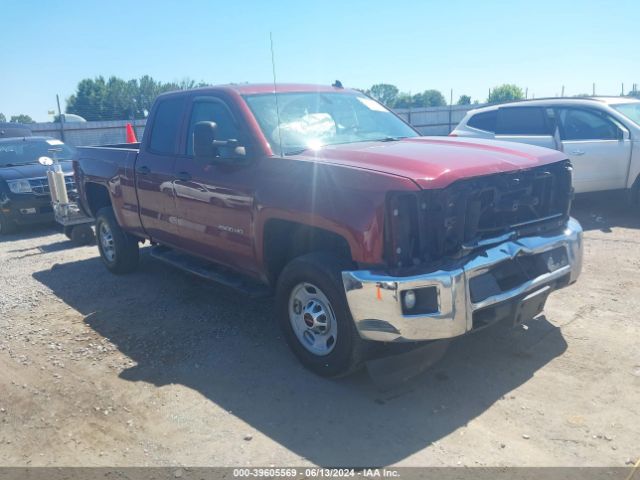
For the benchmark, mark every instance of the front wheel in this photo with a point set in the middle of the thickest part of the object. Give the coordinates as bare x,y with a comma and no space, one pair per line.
6,225
314,316
118,250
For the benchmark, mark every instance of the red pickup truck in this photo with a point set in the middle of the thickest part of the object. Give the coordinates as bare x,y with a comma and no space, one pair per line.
365,231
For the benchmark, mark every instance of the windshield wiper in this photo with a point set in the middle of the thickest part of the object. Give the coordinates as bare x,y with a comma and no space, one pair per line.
389,139
295,152
19,164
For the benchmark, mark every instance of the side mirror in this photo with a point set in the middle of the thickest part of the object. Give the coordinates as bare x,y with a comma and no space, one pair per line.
206,147
204,135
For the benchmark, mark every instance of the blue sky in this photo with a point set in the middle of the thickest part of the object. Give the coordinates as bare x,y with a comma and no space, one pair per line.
470,46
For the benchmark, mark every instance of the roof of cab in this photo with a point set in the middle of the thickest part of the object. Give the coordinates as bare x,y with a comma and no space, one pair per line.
265,88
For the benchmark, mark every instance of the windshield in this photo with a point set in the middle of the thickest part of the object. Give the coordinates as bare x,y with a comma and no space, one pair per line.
23,152
314,119
629,110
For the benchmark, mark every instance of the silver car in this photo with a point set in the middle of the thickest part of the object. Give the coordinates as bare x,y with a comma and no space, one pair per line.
601,135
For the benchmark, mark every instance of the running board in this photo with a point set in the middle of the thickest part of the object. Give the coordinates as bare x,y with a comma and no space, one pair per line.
210,271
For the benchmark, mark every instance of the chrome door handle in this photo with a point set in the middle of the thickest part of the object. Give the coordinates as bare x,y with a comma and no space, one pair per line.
577,152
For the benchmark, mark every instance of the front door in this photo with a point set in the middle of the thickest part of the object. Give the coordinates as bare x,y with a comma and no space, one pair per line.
598,148
154,172
215,200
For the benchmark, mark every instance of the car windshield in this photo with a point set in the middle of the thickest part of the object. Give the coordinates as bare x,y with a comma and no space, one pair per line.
629,110
26,151
313,119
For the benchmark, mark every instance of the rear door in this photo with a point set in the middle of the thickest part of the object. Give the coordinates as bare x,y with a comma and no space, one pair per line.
598,146
154,171
533,125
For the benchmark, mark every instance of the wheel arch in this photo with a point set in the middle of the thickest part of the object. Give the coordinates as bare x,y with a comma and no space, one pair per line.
284,240
97,196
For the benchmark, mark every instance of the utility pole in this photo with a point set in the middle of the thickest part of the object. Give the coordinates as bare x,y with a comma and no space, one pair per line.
594,89
61,118
622,92
562,95
526,93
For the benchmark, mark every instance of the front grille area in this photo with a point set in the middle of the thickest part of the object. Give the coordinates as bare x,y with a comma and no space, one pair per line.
471,213
40,186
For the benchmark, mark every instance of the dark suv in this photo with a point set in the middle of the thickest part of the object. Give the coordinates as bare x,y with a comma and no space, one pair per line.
24,190
11,130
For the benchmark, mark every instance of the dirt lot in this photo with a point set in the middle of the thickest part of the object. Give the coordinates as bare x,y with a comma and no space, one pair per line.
159,368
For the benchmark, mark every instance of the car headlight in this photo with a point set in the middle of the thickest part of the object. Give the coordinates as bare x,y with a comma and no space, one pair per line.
19,186
402,230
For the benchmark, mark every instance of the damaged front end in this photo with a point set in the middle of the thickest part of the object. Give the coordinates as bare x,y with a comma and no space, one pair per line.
432,225
459,258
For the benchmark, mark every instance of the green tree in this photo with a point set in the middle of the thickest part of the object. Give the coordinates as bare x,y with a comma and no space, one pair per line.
634,93
428,98
385,93
505,93
2,117
403,100
464,100
118,99
22,118
89,100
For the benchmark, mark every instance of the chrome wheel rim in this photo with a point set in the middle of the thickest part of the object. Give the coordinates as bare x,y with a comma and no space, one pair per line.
313,319
106,242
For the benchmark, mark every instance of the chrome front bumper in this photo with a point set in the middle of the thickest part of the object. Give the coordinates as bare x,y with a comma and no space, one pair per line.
374,298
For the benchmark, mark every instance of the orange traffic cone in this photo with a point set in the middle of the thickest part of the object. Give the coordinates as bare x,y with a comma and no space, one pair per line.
131,135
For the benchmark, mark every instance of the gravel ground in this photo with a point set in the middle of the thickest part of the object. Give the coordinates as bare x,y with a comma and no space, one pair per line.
160,368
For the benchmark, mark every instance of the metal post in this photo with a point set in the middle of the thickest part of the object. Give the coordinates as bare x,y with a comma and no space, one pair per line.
450,109
594,89
61,118
562,95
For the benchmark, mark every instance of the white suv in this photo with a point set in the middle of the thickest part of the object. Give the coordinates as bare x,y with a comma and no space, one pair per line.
601,135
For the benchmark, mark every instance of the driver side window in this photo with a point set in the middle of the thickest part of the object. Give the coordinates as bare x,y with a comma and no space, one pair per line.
578,124
212,110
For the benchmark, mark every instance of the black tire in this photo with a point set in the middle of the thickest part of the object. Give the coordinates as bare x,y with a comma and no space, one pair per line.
124,255
82,234
634,194
322,270
67,232
6,225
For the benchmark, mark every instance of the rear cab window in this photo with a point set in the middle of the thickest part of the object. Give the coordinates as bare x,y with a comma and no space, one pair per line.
167,121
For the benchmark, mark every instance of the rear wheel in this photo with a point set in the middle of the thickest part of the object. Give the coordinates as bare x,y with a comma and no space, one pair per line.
314,316
119,251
